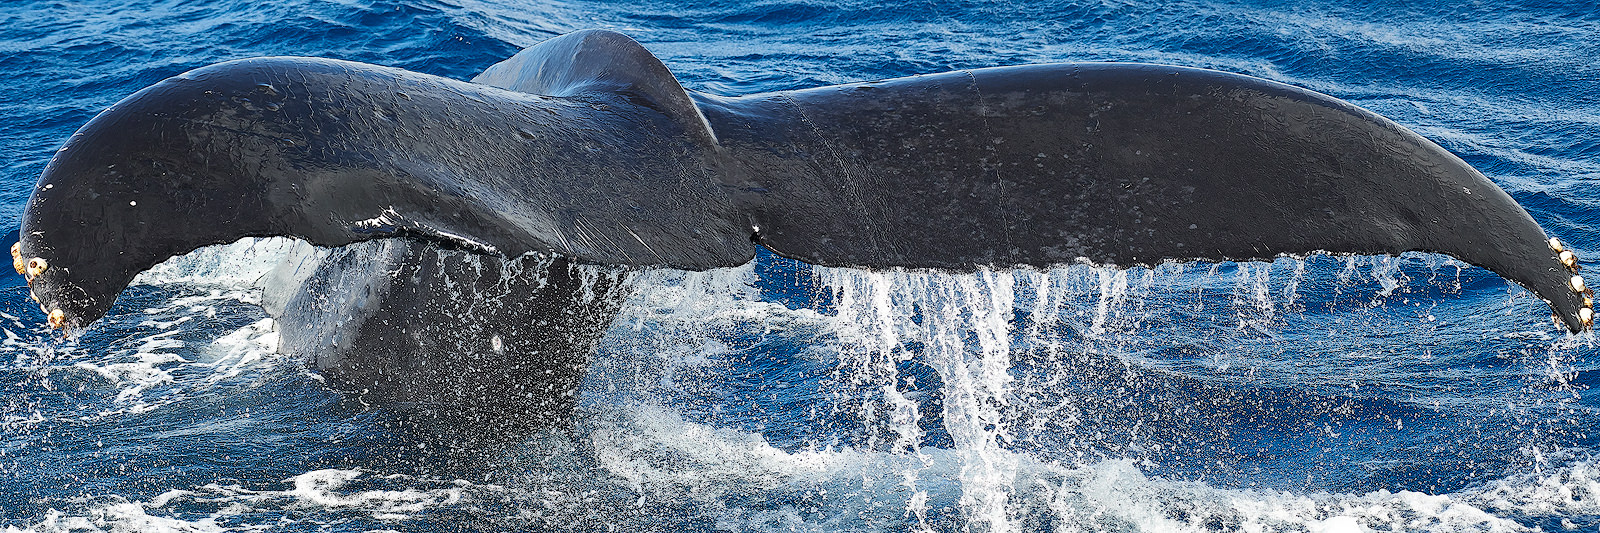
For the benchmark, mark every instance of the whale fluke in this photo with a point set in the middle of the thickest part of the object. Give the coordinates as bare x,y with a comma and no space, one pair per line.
1120,164
586,146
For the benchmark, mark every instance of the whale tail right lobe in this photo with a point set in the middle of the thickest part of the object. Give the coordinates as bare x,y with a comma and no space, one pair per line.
1121,164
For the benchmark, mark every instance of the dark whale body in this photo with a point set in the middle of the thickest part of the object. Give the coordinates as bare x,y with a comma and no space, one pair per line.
399,320
586,147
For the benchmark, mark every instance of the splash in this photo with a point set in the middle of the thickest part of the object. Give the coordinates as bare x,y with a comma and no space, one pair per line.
950,316
1032,362
994,401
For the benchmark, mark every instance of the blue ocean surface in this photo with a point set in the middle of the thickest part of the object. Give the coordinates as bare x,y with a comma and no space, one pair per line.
1339,394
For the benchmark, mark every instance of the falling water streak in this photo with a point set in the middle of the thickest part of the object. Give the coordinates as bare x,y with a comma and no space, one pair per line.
974,419
1067,290
1059,305
1386,271
869,344
1053,297
965,332
1042,309
870,315
1252,294
1291,288
1347,275
1113,289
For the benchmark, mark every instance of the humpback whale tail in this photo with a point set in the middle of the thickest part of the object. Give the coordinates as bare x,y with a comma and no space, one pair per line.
586,146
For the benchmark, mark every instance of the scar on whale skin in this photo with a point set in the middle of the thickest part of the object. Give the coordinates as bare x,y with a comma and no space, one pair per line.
586,147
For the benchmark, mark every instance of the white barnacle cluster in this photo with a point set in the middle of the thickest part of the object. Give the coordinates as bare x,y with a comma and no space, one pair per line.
32,269
1570,260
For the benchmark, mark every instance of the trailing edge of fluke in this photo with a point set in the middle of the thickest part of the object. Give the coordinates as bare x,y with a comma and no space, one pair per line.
587,146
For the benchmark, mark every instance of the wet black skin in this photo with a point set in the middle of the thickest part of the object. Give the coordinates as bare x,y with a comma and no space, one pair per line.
585,146
455,333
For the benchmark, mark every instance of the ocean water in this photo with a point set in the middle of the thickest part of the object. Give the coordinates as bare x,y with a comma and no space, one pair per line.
1333,394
